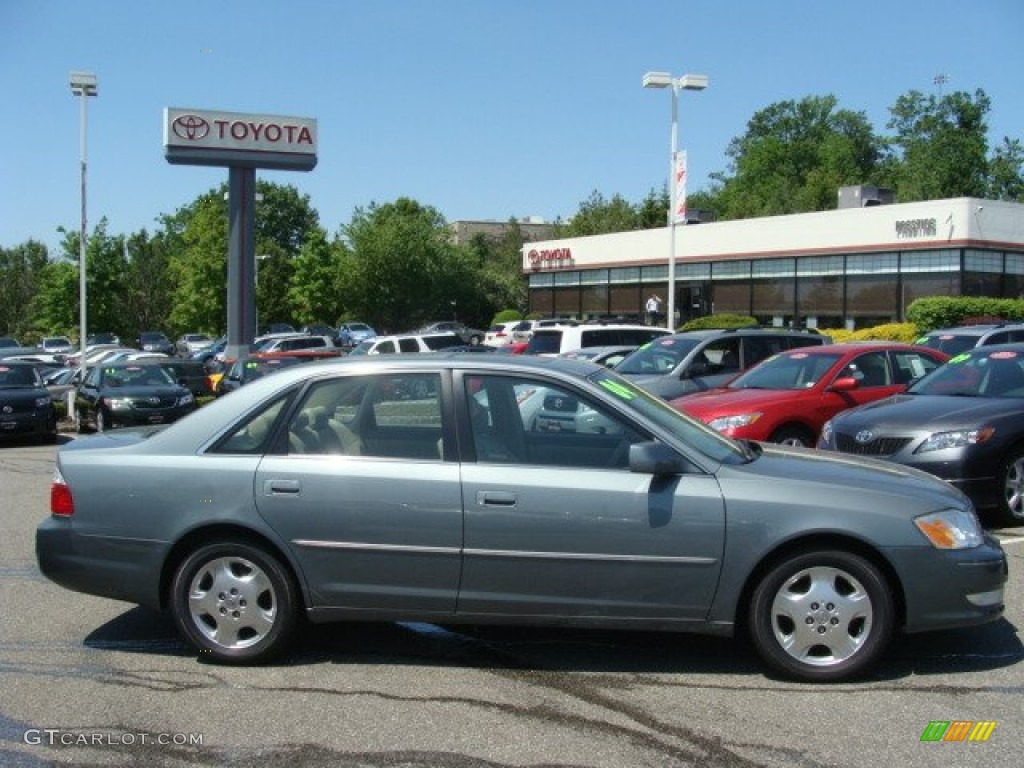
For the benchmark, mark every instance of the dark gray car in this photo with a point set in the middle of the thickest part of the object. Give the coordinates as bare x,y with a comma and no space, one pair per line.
693,361
425,488
963,422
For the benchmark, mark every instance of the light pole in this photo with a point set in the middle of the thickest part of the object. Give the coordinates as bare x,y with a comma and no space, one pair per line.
83,84
685,83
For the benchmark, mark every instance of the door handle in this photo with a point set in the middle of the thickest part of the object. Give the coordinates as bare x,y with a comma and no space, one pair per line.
281,487
496,498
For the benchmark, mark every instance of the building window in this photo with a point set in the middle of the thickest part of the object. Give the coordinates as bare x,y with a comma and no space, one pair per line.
983,261
872,263
930,261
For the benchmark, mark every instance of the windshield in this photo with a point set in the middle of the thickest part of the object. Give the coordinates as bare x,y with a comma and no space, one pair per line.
362,348
798,370
658,357
694,433
983,372
135,376
17,377
949,343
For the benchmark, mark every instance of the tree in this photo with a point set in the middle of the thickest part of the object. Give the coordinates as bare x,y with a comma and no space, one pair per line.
401,269
598,216
21,269
148,288
313,295
196,237
794,157
940,148
1006,172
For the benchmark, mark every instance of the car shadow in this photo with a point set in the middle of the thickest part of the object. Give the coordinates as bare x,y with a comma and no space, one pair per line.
543,649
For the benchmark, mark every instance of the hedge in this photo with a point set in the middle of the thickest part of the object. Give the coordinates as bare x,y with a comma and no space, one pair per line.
931,312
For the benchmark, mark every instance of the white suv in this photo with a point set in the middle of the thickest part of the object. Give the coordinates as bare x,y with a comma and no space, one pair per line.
410,342
564,338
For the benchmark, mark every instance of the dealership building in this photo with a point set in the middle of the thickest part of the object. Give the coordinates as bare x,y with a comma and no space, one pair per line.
857,266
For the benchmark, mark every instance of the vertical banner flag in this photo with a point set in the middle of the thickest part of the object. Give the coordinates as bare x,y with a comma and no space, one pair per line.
679,214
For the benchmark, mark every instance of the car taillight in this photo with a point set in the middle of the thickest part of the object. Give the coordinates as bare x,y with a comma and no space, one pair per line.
61,502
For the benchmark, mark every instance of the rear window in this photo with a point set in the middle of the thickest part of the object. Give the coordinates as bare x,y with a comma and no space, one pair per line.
440,342
613,337
545,342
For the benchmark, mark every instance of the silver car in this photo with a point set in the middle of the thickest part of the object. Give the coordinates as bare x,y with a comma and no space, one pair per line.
420,487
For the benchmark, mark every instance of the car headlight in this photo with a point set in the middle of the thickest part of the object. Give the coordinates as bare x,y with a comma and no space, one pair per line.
185,399
42,402
826,433
723,423
117,403
955,439
951,529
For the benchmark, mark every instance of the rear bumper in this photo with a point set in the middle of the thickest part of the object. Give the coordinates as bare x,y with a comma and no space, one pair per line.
118,568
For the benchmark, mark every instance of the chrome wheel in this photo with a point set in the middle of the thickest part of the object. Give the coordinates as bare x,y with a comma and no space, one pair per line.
101,421
235,602
821,616
232,602
1013,488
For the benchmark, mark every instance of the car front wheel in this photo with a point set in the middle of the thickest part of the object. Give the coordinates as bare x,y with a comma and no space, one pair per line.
822,616
235,602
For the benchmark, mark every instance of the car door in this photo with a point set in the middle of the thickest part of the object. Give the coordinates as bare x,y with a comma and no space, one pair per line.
875,380
87,396
558,527
358,488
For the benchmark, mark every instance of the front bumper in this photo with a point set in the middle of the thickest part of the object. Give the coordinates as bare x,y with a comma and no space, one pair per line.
958,588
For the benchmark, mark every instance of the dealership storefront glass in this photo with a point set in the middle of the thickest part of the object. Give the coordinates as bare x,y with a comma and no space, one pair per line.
834,291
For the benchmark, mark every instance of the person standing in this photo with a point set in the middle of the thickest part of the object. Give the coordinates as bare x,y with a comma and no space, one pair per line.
653,308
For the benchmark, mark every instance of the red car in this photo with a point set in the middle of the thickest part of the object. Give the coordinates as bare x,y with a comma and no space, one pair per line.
789,397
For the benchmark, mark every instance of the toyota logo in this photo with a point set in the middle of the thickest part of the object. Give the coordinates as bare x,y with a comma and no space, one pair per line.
864,436
154,401
8,409
190,127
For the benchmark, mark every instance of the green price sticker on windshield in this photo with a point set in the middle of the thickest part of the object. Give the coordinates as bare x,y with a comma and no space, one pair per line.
617,389
959,358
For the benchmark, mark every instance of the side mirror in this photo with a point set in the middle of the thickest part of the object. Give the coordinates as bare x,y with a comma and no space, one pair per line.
844,384
696,369
654,458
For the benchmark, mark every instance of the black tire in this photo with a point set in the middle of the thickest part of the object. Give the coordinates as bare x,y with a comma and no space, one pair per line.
823,616
235,602
1011,476
792,435
474,340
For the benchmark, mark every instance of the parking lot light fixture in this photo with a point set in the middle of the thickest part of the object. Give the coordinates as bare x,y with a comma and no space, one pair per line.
83,85
688,82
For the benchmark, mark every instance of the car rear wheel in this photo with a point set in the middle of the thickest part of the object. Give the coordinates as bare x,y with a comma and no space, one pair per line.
101,421
1013,488
792,435
822,616
235,602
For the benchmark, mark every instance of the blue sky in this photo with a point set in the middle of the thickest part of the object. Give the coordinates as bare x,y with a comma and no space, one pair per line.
484,110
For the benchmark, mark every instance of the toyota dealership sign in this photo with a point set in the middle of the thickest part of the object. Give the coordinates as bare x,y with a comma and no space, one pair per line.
204,137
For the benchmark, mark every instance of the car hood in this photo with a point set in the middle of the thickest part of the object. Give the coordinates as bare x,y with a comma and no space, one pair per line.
17,394
803,477
721,400
927,411
167,391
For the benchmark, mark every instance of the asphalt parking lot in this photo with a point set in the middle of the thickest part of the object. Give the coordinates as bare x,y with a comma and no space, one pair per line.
88,681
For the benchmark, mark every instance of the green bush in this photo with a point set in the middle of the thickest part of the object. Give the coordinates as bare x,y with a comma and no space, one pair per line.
507,316
718,321
931,312
906,333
